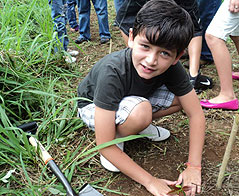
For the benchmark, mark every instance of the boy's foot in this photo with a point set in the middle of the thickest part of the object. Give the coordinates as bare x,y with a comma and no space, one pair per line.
81,40
156,133
108,165
104,40
201,82
73,52
70,59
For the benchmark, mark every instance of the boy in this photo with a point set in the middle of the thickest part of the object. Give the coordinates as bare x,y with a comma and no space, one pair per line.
129,88
125,19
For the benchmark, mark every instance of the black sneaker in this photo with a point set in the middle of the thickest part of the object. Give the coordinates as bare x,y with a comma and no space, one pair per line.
104,40
81,40
201,83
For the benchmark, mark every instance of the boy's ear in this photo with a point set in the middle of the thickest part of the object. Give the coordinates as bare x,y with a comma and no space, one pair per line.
131,39
178,57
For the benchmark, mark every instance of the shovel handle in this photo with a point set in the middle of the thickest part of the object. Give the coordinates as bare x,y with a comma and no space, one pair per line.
43,152
46,157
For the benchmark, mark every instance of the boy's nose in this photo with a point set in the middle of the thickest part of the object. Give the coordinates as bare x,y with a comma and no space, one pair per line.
151,59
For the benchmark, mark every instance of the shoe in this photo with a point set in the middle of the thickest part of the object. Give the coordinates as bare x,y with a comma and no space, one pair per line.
108,165
235,76
230,105
115,24
73,52
70,59
81,40
104,40
201,82
156,133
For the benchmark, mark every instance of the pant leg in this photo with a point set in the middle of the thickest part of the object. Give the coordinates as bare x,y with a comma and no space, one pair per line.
84,18
101,10
58,13
208,9
126,15
118,4
71,13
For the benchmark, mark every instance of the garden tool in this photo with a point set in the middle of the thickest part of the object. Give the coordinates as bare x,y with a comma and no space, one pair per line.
85,190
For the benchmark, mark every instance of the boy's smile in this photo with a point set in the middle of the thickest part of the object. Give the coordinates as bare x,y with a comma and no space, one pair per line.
150,60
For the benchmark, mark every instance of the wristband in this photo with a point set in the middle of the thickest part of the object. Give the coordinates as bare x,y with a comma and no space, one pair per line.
189,165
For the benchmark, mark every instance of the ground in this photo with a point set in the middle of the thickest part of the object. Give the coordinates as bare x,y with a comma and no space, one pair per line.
166,159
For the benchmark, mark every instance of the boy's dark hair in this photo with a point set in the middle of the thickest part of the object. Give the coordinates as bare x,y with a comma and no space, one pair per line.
164,24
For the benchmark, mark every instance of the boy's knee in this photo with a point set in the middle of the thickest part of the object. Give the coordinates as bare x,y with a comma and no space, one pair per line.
141,116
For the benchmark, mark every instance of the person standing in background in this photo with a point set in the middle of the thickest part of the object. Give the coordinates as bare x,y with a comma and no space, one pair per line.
84,7
71,15
224,24
118,4
58,14
207,9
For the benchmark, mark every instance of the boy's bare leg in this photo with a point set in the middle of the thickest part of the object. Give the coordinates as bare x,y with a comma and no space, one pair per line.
175,107
223,64
194,52
139,118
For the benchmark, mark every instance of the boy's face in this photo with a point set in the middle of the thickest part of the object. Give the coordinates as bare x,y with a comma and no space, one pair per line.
150,60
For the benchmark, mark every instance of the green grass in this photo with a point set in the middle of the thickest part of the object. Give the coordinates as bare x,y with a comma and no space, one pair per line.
37,85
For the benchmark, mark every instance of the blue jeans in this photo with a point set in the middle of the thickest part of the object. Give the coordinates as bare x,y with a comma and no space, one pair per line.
100,6
118,4
71,13
58,14
207,9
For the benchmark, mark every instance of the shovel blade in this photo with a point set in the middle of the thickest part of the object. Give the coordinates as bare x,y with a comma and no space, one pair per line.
87,190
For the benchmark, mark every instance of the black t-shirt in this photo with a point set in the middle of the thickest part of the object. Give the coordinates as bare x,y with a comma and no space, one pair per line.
114,77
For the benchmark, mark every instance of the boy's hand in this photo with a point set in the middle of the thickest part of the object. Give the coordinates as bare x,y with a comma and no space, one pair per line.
191,177
159,187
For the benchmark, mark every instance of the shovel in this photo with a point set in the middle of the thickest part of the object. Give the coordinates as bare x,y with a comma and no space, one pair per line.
85,190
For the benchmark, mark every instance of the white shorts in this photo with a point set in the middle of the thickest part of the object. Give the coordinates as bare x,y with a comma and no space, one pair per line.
161,99
224,22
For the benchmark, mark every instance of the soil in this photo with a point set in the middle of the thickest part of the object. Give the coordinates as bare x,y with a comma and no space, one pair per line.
166,159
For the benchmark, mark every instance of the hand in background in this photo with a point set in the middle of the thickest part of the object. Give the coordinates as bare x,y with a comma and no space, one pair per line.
234,6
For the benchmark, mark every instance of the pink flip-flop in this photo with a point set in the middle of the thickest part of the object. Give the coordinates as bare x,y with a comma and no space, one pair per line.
235,76
230,105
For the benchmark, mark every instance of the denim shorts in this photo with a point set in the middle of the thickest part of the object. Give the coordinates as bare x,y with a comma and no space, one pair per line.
129,9
224,23
161,99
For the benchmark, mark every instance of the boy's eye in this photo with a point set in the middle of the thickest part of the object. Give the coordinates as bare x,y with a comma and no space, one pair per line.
164,53
144,46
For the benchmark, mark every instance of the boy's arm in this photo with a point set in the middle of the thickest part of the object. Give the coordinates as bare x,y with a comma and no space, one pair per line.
105,130
192,175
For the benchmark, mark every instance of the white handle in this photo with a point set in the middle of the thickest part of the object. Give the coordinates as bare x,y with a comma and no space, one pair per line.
44,154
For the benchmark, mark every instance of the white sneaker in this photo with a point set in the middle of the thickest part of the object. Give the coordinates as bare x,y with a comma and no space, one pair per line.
157,133
70,59
73,52
108,165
